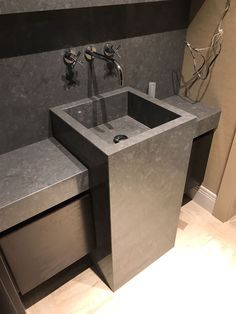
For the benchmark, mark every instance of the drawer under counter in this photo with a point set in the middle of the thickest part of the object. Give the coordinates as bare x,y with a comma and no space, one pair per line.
43,247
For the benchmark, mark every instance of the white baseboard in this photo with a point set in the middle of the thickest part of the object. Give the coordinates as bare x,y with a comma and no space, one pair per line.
203,197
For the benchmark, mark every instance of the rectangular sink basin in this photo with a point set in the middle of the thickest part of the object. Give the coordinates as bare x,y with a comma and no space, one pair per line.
125,115
136,184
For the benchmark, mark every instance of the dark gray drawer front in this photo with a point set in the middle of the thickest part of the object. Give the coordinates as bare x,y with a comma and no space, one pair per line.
46,246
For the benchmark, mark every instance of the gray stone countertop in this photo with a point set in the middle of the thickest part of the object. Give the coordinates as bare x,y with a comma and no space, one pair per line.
207,116
37,177
16,6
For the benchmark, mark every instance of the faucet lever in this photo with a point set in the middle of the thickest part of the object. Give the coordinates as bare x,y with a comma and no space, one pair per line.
110,51
108,56
71,58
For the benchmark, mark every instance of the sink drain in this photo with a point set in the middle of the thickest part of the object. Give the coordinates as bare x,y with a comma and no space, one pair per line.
119,138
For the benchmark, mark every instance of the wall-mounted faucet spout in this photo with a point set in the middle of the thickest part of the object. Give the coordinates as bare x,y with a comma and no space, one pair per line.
120,71
108,56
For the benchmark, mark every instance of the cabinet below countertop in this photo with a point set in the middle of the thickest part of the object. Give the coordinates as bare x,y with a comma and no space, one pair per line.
43,247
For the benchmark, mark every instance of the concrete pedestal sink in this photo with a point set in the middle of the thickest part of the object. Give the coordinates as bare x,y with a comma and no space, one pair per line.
137,183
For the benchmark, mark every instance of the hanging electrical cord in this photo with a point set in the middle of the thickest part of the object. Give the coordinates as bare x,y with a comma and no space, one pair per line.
202,71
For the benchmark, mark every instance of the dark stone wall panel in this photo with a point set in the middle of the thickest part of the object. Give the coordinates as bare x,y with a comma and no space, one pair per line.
29,33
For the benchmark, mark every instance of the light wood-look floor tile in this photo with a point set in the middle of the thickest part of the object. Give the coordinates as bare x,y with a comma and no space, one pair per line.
198,276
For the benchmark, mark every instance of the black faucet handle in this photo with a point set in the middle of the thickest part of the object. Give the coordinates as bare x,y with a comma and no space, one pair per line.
110,51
